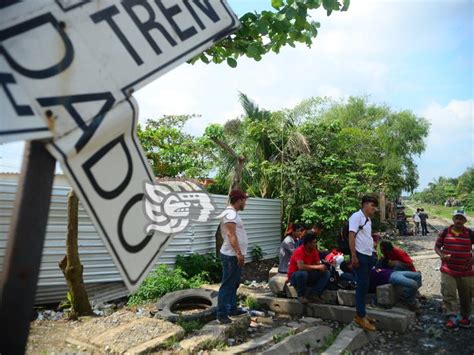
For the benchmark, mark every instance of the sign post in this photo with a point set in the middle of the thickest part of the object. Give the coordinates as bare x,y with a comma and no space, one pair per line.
25,246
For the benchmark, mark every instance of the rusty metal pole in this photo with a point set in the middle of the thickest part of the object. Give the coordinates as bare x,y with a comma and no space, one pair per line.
25,246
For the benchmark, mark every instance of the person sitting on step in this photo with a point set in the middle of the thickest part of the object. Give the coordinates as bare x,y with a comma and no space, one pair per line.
306,270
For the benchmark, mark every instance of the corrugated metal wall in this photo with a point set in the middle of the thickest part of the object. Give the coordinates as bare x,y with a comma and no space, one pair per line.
261,219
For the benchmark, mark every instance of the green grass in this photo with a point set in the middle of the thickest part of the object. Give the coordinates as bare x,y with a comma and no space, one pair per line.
252,303
214,344
190,326
330,339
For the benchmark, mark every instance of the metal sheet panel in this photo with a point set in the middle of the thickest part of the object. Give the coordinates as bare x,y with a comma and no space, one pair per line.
261,219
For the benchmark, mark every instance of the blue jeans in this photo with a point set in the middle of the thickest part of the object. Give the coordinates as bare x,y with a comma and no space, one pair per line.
411,282
317,280
366,262
227,299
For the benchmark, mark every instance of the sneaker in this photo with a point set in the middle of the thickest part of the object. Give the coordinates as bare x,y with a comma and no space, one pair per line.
364,323
303,299
464,322
224,320
451,323
238,312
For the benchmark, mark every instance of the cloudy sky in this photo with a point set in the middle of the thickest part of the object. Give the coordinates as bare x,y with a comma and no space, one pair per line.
409,54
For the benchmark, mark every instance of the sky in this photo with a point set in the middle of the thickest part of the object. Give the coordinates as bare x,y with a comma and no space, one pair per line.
409,54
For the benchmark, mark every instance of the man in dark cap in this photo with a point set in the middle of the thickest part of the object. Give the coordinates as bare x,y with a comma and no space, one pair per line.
232,254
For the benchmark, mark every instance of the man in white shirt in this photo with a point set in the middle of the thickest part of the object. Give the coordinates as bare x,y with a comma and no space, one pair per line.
361,244
416,221
232,255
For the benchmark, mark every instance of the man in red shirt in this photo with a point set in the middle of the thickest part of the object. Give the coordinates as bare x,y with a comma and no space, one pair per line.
306,270
395,258
454,247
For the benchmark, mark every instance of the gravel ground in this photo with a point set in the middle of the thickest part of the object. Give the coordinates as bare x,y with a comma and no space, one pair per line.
427,335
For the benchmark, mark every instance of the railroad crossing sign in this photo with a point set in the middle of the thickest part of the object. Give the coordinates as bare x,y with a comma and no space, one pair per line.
68,69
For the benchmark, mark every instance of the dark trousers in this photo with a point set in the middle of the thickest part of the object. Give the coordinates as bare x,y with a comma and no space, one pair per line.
424,228
227,298
317,280
366,262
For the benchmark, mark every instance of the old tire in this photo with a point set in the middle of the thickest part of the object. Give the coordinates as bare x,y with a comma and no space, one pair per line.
204,300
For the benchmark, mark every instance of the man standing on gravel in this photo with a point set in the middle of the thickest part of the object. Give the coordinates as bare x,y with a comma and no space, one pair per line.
454,247
361,244
232,255
423,218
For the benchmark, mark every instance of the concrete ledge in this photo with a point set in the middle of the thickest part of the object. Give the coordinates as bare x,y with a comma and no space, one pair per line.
268,338
214,331
329,297
350,339
273,271
386,296
282,305
346,298
385,320
277,284
259,342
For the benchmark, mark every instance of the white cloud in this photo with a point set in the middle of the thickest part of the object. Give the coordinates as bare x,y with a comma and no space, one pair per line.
450,144
450,124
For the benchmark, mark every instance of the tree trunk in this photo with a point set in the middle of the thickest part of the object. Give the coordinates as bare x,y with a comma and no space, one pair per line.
71,264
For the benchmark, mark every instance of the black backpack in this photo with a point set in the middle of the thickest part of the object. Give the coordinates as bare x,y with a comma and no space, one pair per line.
343,240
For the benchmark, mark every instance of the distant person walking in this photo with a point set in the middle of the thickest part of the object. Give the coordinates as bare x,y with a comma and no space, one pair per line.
416,221
362,249
454,247
232,255
424,226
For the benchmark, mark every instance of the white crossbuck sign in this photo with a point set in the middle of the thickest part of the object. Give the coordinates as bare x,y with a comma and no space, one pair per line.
68,69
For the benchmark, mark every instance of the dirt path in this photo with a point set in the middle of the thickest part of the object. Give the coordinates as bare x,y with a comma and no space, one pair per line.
428,335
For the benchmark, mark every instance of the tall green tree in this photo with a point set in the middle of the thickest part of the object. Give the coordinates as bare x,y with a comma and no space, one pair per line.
321,156
172,152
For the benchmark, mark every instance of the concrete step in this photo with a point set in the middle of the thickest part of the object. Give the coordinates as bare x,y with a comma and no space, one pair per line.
349,339
214,331
386,320
310,339
268,338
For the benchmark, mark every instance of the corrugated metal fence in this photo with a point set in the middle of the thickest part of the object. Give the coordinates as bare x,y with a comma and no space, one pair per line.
261,219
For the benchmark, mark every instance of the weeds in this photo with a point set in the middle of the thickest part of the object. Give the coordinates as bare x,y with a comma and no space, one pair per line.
162,281
252,303
195,264
169,343
214,344
190,326
257,253
330,339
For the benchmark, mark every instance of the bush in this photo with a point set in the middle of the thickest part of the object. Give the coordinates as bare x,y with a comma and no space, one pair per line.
257,253
252,304
195,264
162,281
